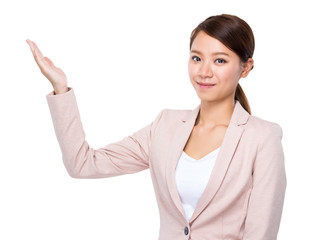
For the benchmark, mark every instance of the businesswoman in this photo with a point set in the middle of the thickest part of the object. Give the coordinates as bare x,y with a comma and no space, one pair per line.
218,171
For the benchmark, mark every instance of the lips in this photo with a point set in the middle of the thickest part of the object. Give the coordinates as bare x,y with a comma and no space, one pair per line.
205,84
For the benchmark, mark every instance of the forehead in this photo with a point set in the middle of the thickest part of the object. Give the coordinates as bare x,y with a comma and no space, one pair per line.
207,44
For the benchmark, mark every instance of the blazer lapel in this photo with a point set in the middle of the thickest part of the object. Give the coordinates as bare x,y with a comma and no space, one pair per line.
181,135
227,149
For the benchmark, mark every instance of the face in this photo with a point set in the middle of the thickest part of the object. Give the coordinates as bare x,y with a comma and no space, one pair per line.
214,69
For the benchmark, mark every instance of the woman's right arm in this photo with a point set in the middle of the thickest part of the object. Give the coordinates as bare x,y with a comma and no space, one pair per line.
129,155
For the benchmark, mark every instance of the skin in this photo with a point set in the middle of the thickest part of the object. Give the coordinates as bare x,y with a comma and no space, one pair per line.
223,69
54,74
212,62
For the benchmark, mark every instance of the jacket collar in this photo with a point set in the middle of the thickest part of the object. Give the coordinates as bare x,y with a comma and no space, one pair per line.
239,116
231,139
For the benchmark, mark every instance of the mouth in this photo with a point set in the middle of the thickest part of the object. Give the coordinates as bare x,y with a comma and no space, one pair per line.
205,85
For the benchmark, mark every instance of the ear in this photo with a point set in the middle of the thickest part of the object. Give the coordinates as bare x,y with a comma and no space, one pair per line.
247,67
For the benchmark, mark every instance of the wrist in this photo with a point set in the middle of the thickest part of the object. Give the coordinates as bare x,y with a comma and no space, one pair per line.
60,90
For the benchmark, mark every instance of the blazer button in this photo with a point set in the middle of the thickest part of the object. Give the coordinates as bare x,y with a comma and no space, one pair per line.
186,231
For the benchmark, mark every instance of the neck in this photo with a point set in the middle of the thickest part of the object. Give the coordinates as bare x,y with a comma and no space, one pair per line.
213,114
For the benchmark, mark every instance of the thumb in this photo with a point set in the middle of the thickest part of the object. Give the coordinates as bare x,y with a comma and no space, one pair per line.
48,61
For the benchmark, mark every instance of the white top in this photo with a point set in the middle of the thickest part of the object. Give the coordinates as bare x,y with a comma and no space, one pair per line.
192,177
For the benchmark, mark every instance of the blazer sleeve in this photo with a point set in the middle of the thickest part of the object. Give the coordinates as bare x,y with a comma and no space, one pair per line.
268,191
129,155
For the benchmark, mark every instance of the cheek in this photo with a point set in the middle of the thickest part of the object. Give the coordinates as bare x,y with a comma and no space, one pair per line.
192,70
228,74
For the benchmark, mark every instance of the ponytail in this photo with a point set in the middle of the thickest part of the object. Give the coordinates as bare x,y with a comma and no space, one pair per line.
241,97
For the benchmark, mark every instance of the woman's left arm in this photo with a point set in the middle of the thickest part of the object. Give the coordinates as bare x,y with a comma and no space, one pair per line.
269,185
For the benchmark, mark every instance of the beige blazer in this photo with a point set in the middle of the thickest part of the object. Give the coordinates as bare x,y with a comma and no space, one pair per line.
245,193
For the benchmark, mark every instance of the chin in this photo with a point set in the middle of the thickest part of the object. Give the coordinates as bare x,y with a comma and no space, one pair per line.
207,98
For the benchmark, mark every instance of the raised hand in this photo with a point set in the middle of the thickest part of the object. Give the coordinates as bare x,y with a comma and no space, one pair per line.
54,74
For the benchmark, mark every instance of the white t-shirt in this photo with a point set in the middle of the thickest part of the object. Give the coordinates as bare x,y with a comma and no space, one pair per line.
192,177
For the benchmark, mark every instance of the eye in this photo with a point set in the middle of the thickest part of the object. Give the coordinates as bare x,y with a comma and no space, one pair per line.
196,59
220,60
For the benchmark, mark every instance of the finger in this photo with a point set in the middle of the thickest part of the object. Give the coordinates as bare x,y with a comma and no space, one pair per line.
42,62
32,47
30,44
39,58
37,51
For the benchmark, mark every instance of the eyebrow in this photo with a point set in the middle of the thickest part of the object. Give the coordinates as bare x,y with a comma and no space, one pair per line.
214,53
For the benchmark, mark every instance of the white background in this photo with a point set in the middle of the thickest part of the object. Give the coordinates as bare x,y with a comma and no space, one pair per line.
128,57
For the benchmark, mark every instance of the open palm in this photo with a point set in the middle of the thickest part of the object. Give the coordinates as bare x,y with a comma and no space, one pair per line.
54,74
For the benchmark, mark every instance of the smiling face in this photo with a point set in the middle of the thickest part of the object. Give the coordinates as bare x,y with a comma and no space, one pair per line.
214,69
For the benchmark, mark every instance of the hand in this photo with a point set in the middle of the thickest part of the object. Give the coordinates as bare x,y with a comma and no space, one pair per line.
54,74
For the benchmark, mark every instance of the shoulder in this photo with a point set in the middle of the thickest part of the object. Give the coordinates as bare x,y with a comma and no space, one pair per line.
179,114
258,122
263,128
168,116
167,121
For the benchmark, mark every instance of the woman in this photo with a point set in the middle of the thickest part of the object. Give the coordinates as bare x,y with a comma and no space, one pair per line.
218,171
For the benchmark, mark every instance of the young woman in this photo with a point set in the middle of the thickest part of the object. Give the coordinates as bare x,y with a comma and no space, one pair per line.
217,170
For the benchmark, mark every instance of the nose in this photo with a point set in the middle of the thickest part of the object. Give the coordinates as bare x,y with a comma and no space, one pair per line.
205,70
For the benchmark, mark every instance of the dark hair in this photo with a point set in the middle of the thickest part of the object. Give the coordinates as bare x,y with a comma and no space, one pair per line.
235,34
